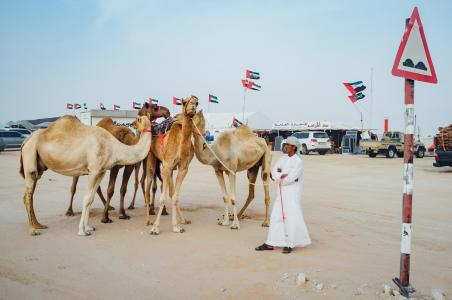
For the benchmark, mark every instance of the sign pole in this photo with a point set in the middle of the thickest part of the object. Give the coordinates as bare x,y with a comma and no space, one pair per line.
403,282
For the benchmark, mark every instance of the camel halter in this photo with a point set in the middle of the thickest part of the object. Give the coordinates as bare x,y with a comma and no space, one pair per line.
216,156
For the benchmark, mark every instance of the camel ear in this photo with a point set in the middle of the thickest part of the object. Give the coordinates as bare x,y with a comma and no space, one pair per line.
185,100
200,111
134,124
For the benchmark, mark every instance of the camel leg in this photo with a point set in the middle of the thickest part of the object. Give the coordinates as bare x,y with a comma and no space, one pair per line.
93,183
150,165
266,222
154,192
137,171
125,180
235,223
69,211
220,178
102,198
166,176
171,193
110,191
30,185
177,213
252,176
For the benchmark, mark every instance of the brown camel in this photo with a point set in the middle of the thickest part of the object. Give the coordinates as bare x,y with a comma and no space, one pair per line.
71,148
175,150
125,136
239,150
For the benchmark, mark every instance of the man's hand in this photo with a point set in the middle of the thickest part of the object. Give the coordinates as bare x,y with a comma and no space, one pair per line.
279,170
283,176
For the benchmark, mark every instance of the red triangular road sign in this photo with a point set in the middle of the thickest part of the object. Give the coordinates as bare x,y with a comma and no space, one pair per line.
413,59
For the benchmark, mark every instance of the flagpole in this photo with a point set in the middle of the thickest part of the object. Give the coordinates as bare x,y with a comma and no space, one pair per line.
208,112
371,96
244,100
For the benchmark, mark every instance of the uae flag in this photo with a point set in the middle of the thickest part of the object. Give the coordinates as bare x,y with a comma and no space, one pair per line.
153,101
246,83
69,106
177,101
116,107
102,106
235,122
77,106
136,105
255,86
213,98
356,97
252,75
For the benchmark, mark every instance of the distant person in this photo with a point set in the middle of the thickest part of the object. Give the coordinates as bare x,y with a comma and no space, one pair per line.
287,226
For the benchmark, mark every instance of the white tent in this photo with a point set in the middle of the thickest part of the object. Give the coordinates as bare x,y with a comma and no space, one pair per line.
219,122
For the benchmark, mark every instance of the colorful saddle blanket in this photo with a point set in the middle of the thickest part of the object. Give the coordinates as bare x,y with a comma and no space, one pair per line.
163,127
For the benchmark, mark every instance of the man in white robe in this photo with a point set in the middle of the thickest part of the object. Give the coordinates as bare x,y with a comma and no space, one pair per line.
287,226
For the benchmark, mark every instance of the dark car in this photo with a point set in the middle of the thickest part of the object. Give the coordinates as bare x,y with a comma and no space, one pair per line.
24,132
12,139
2,144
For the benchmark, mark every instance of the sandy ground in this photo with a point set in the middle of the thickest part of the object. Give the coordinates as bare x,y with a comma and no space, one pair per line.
352,206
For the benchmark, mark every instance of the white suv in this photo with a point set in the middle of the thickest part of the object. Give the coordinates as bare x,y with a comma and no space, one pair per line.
313,141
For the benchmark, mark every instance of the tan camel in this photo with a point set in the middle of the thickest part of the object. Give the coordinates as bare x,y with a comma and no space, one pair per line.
125,136
175,150
71,148
239,150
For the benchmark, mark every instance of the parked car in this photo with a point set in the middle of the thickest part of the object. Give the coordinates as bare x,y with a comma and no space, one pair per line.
391,144
2,144
24,132
12,139
313,141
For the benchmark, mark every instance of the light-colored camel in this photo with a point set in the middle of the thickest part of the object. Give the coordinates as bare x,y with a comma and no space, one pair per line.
125,136
173,150
239,150
71,148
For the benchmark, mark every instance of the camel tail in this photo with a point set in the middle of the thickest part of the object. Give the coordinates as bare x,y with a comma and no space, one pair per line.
266,164
21,169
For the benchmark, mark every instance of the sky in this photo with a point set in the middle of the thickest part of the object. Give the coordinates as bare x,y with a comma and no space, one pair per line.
116,52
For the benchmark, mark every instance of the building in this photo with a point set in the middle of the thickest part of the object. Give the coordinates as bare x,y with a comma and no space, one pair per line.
219,122
120,117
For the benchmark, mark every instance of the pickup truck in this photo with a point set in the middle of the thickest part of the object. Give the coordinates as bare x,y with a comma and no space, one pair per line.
443,156
391,144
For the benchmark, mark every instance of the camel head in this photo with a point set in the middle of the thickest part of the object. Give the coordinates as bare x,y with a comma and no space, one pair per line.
190,104
153,111
200,123
141,123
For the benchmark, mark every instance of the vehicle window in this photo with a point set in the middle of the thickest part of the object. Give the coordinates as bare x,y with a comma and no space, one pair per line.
297,135
14,134
304,135
2,133
320,135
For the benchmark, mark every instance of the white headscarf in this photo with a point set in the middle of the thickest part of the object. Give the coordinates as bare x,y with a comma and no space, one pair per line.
291,140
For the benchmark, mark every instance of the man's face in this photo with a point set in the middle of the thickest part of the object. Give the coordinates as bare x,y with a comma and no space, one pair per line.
290,149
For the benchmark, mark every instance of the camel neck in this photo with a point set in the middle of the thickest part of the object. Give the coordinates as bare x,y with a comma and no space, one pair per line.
129,155
202,152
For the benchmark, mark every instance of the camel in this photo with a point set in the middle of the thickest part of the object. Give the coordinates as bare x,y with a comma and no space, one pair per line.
71,148
175,150
239,150
125,136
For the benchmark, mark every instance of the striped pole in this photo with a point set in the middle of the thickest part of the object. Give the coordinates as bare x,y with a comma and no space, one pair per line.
403,282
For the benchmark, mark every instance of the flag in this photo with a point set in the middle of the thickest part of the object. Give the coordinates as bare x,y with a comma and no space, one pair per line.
355,87
356,97
116,107
213,99
77,106
255,87
85,106
102,106
235,122
136,105
177,101
69,106
252,75
153,101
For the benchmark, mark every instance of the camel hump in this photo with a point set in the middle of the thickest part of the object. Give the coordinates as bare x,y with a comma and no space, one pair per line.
244,130
105,122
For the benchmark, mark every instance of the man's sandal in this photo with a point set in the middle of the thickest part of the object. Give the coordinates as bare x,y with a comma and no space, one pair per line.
263,247
286,250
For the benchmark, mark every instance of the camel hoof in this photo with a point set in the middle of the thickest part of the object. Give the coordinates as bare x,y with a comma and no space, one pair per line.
223,222
131,207
178,229
235,227
154,231
69,213
124,217
265,224
107,220
84,233
186,222
147,223
34,232
111,208
164,212
152,212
